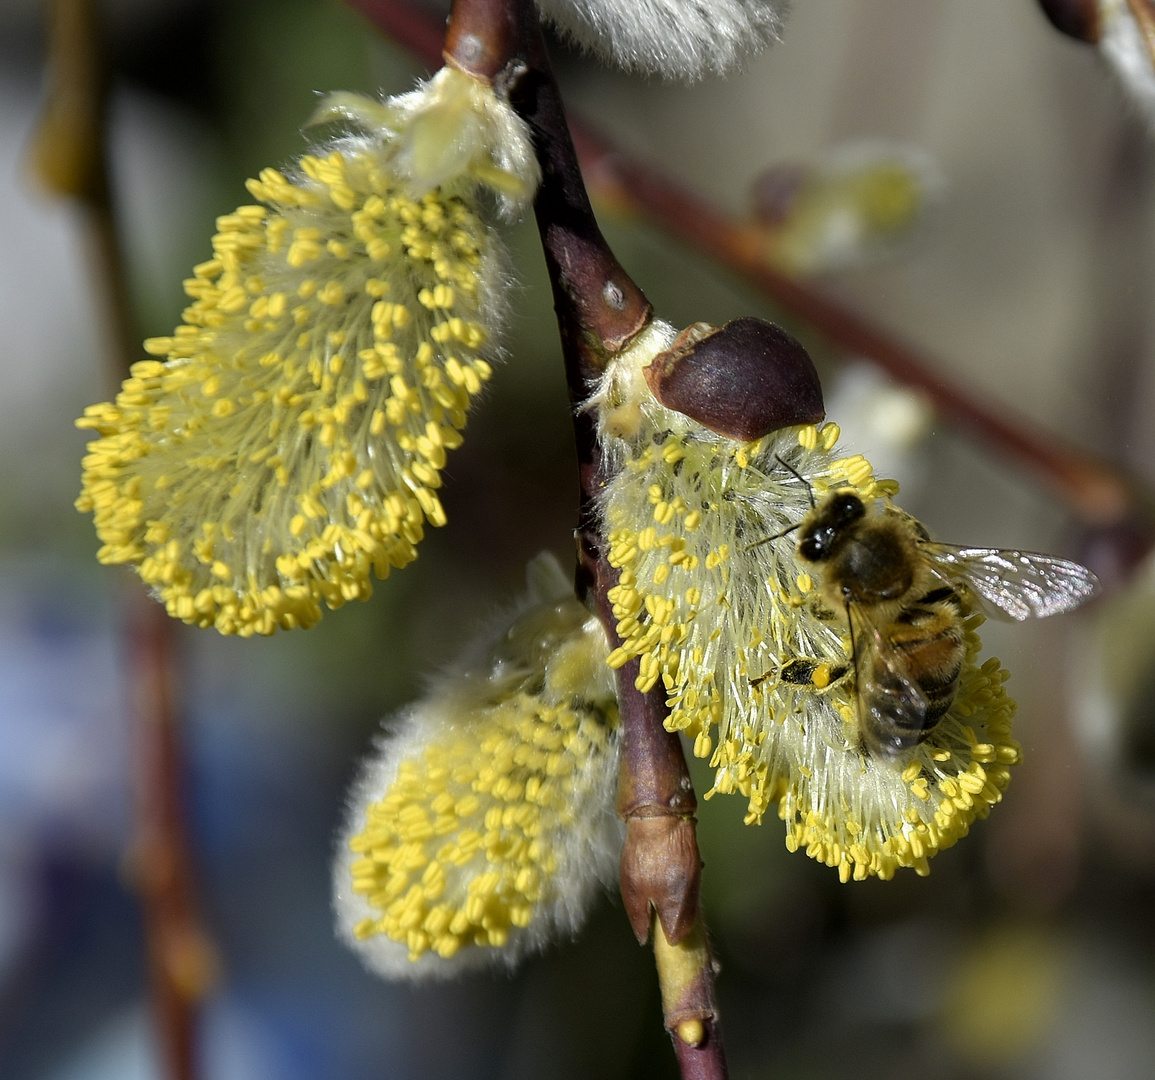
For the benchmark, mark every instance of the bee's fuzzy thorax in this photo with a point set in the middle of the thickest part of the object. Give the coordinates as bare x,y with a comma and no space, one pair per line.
837,582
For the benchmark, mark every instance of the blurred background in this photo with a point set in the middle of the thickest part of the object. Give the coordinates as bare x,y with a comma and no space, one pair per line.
1028,952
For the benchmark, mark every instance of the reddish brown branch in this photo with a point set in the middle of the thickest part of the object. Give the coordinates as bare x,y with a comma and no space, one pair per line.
483,36
68,155
1098,494
181,959
687,978
599,311
660,864
1075,18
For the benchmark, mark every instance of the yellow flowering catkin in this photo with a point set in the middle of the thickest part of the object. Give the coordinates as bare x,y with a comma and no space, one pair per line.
287,443
757,674
486,824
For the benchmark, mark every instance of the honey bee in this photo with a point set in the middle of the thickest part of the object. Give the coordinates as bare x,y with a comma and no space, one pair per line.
904,596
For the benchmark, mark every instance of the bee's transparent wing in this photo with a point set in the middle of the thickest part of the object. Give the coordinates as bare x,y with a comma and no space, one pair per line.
1016,584
892,709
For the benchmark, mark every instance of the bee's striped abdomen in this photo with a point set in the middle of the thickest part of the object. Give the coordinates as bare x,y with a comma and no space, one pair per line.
929,637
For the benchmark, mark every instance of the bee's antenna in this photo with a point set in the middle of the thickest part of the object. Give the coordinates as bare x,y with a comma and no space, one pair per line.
770,539
790,468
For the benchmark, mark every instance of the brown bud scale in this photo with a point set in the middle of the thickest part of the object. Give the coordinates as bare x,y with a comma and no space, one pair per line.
744,380
660,874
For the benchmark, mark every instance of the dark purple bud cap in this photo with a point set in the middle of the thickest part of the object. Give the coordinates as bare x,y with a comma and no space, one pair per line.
1075,18
744,380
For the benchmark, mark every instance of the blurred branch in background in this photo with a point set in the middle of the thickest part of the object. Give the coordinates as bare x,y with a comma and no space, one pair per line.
68,158
1104,500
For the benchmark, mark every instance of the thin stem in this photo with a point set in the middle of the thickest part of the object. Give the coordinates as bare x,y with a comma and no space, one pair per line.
483,36
1099,494
686,973
182,960
599,311
69,156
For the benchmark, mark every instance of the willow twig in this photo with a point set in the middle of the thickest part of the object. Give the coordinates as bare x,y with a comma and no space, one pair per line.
68,155
599,311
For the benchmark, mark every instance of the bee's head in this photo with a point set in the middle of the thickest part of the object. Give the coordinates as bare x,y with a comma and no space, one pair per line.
822,535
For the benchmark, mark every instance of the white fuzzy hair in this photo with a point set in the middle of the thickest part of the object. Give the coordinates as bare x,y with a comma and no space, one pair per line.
587,850
676,39
1125,48
479,140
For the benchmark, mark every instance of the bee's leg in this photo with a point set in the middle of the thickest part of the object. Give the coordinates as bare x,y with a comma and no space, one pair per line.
853,647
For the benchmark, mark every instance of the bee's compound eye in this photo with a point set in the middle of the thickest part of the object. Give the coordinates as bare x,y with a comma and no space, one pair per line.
810,549
847,507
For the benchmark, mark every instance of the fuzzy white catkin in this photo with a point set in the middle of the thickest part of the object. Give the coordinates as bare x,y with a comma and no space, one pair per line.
537,681
1125,48
676,39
